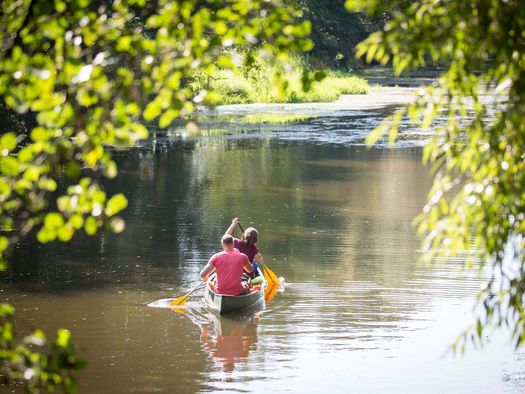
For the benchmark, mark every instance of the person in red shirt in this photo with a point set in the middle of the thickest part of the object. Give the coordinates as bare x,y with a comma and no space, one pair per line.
246,245
228,265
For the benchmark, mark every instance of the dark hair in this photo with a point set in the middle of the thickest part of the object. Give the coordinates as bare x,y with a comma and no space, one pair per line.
251,236
227,239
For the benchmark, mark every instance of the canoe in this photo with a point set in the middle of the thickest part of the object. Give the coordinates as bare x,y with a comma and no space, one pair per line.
223,304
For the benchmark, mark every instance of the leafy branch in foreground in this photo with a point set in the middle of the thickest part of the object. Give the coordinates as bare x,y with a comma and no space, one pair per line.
41,364
91,74
477,203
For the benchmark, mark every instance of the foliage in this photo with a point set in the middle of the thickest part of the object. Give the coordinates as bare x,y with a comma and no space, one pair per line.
477,202
255,83
274,119
41,364
336,32
90,73
254,119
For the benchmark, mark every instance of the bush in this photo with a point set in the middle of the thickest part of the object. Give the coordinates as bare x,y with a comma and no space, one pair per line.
256,84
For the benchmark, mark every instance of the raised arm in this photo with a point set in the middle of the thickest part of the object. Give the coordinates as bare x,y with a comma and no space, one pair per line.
234,224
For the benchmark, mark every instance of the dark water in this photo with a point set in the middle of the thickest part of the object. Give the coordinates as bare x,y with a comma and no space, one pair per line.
358,313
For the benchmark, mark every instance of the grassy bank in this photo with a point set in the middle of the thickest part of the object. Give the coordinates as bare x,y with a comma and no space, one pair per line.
255,85
255,119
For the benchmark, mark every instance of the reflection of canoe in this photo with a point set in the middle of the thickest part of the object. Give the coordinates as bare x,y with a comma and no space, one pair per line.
223,304
227,339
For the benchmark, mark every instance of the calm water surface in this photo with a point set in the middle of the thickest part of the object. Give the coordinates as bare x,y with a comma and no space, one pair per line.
358,313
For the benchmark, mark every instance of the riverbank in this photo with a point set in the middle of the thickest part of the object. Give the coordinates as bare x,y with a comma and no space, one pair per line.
376,98
347,120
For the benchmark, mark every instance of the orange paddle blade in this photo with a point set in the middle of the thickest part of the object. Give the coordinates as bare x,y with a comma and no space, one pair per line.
270,292
270,276
180,301
182,311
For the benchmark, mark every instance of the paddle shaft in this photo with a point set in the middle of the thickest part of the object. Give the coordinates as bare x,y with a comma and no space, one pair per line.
195,288
182,300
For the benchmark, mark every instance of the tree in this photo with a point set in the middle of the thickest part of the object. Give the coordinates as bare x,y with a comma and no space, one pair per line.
90,74
336,32
476,206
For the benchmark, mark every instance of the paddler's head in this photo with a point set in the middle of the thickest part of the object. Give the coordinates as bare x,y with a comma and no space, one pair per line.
227,242
251,236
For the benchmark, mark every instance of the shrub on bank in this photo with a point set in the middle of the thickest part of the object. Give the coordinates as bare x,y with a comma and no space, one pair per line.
255,85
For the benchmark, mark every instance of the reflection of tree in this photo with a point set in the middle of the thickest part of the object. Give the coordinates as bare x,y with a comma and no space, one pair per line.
318,209
321,206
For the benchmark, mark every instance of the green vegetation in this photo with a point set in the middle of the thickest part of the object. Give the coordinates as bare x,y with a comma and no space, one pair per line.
41,363
256,84
477,202
272,118
90,74
218,125
254,119
336,32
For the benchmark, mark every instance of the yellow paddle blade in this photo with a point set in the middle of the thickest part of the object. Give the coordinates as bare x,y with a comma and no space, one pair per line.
270,292
180,301
182,311
270,276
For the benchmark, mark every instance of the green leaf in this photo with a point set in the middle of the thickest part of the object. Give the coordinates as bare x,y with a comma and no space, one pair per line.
53,220
77,221
115,204
45,235
6,309
91,225
4,243
9,166
123,44
47,184
60,5
65,233
8,142
168,117
141,132
225,62
63,338
152,110
40,134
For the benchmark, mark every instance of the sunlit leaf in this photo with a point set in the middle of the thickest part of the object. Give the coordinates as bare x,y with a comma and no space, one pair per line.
8,142
90,225
116,204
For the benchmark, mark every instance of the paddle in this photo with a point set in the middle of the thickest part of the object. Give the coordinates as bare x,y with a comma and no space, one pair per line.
270,276
182,300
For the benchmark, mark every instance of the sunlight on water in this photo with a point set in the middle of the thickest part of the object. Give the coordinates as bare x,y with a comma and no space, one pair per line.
358,313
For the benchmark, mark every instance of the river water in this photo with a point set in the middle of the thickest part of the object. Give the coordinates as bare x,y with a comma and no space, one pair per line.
357,313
